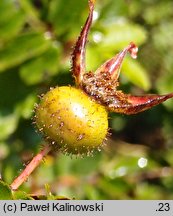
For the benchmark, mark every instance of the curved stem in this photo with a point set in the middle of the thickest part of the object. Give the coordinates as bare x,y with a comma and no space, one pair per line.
30,167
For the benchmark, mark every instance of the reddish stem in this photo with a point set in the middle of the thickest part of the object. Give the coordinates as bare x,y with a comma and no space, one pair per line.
30,167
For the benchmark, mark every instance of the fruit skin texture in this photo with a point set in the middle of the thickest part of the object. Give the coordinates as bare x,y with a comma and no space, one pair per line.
71,120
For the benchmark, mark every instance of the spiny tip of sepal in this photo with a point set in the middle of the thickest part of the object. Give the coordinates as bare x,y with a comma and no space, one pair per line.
133,50
92,1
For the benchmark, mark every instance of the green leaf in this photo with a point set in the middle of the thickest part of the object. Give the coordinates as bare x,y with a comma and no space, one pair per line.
4,149
32,15
93,58
11,27
50,196
136,73
65,15
162,38
25,107
157,12
16,101
110,9
8,124
115,188
41,68
145,191
164,85
116,36
21,195
12,91
9,6
31,45
5,191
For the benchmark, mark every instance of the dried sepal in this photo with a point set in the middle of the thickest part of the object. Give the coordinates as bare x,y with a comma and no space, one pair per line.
102,85
78,55
113,65
135,104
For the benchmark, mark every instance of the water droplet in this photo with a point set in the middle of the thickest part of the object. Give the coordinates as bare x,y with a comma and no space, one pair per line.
95,15
97,37
47,35
142,162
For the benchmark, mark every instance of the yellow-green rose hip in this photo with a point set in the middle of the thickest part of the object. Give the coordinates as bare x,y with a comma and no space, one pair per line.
72,120
75,118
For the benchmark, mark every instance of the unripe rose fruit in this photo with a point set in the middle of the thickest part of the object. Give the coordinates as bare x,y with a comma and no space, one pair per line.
72,120
75,119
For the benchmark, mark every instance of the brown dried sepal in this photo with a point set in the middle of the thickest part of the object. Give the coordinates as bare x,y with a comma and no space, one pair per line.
102,85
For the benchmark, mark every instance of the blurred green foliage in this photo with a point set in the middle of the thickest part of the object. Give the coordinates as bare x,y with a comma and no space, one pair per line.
36,39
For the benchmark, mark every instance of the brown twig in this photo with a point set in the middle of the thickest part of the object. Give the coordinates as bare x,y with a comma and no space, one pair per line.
30,167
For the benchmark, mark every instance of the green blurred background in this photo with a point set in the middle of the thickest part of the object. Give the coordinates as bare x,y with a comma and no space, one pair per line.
36,40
